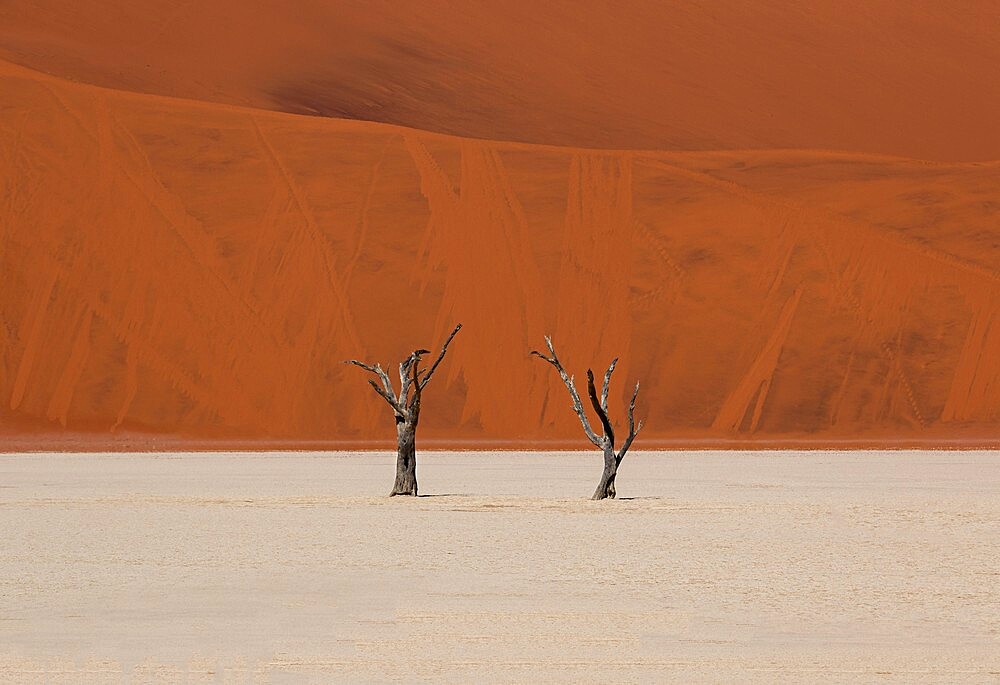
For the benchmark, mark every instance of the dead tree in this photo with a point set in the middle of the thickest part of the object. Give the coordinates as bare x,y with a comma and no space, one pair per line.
406,408
605,442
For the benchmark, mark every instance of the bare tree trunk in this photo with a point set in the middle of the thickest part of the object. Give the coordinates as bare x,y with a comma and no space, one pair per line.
606,488
406,460
406,408
605,442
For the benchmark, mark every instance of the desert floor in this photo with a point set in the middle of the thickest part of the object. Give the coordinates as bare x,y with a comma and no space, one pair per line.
711,567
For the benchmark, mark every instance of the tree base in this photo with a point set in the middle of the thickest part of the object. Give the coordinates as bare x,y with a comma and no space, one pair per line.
408,492
606,488
406,462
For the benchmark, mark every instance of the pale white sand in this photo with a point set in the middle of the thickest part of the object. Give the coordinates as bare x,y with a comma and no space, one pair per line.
279,568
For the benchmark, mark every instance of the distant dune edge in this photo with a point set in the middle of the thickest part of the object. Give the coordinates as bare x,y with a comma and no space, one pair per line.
880,76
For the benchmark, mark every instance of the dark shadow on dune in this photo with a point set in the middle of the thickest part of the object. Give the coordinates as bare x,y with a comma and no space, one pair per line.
447,494
629,499
395,82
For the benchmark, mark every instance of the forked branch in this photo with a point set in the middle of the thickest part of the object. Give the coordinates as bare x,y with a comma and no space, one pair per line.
377,370
571,386
607,384
410,377
444,350
633,429
606,442
602,411
386,391
386,396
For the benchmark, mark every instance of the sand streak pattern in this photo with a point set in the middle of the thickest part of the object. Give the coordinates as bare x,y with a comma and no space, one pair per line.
199,271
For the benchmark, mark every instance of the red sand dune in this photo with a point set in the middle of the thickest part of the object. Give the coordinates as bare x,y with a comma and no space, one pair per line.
917,79
180,272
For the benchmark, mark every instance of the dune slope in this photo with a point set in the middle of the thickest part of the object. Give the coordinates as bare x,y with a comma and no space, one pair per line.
199,271
881,76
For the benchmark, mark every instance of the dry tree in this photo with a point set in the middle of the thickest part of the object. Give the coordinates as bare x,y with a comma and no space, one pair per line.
406,409
606,442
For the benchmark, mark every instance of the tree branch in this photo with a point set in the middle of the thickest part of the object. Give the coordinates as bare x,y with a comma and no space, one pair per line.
602,414
633,429
386,391
406,378
444,349
607,384
385,396
417,388
571,386
378,371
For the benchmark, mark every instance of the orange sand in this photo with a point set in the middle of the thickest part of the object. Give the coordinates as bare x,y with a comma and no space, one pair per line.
177,272
917,79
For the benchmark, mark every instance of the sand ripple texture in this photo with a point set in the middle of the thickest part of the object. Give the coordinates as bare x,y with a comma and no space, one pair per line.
288,568
176,273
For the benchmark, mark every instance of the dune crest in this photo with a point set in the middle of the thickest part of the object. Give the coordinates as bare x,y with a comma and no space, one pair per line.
915,80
